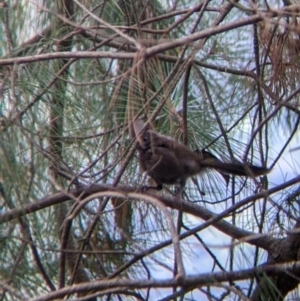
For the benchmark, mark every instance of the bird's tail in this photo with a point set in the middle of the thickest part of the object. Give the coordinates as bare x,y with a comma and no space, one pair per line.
237,169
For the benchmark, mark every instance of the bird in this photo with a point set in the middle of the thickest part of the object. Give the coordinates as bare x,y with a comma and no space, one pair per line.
167,161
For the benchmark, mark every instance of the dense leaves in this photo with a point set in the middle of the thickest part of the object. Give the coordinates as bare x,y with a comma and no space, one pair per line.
215,75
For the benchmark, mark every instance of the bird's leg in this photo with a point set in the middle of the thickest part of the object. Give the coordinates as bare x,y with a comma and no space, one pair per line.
179,189
145,188
158,187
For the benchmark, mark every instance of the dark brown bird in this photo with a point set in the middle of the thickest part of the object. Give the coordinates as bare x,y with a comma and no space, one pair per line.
167,161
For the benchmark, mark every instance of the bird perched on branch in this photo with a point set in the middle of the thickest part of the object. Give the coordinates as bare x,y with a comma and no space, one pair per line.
167,161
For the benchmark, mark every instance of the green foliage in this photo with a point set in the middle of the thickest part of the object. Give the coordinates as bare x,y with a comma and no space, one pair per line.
65,124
